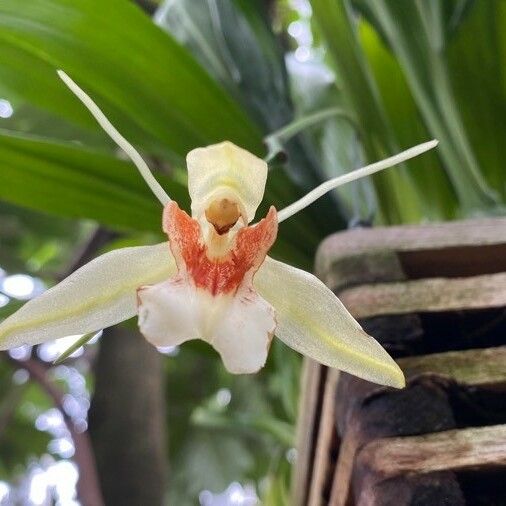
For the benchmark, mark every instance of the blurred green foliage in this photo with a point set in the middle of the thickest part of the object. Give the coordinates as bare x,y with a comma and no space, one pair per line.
398,73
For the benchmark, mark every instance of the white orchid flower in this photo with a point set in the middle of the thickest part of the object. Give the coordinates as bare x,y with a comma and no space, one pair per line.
213,280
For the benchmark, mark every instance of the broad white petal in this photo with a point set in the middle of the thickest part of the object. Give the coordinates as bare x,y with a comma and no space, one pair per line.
239,327
99,294
313,321
225,171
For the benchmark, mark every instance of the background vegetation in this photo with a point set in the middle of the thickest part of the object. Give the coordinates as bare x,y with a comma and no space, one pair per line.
380,75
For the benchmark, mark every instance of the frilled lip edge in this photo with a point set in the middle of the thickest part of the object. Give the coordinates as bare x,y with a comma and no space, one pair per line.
212,299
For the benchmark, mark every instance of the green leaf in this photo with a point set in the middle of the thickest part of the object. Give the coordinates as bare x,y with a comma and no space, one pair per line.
415,34
73,181
145,82
281,431
276,492
69,180
427,172
165,103
477,63
337,24
232,40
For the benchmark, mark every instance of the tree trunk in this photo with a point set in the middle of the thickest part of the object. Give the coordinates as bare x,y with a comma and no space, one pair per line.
127,420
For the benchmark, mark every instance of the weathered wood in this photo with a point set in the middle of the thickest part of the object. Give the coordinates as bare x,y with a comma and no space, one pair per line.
483,367
457,450
411,238
405,283
401,335
326,434
312,377
458,261
460,248
431,489
340,494
366,268
365,412
420,469
361,269
425,295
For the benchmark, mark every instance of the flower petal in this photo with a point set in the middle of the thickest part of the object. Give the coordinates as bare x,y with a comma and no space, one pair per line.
169,313
244,336
99,294
225,171
313,321
239,326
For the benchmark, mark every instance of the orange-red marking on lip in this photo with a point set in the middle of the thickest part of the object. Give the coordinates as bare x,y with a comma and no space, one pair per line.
224,274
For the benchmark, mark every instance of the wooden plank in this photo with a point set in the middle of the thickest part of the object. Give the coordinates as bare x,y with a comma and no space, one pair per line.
475,232
431,489
425,295
367,268
457,450
366,412
340,494
326,433
307,423
482,367
459,248
395,258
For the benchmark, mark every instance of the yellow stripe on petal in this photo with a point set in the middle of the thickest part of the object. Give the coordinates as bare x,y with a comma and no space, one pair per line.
98,295
314,322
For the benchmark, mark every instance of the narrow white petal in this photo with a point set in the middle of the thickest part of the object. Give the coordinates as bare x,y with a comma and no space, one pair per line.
99,294
313,321
329,185
110,130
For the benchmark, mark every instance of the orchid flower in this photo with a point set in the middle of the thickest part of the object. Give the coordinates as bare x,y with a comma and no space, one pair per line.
213,280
